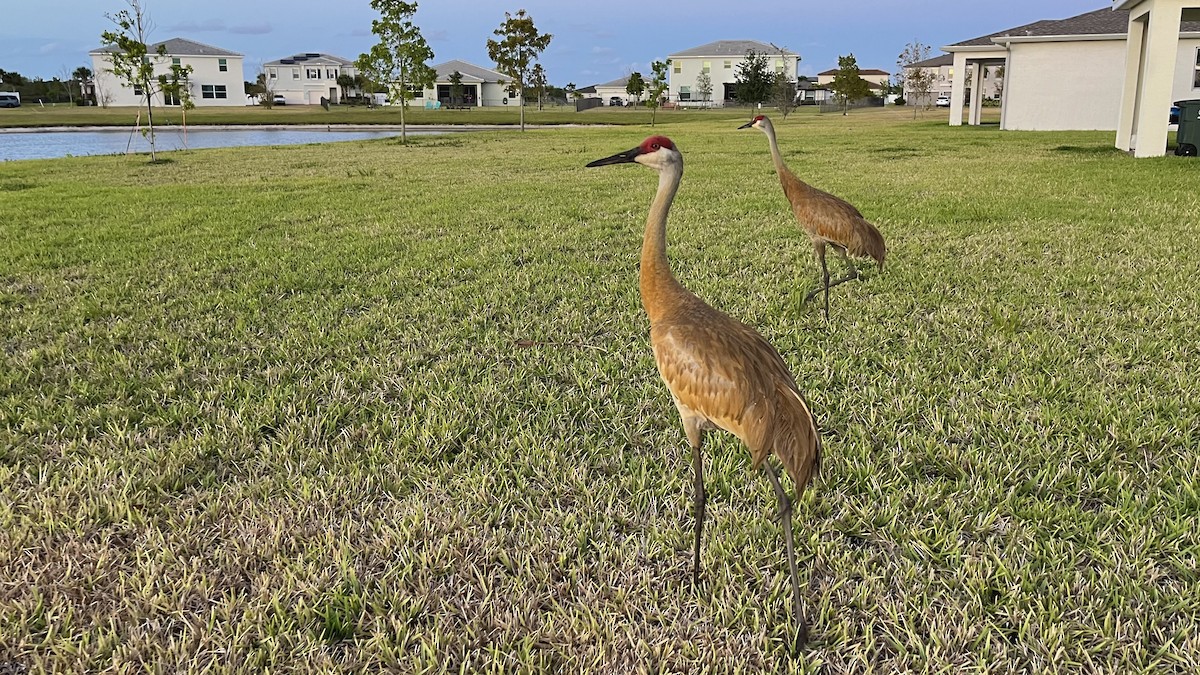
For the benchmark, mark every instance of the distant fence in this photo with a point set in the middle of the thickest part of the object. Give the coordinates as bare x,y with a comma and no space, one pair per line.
587,104
869,102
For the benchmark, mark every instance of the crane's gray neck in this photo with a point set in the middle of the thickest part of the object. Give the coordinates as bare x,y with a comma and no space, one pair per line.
776,156
655,278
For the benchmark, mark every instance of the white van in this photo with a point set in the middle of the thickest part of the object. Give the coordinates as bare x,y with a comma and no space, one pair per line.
10,99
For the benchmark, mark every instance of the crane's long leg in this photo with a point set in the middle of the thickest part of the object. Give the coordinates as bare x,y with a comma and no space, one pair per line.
819,249
695,434
785,517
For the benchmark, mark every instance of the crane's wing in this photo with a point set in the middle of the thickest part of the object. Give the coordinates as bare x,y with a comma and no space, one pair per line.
724,371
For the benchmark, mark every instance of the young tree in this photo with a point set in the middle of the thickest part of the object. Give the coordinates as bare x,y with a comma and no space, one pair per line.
537,81
177,90
754,80
456,88
516,53
344,82
399,58
704,87
636,86
81,75
658,85
915,83
847,86
783,94
131,60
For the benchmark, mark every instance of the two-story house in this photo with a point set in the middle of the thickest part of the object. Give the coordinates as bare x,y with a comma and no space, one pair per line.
940,70
215,80
304,79
720,61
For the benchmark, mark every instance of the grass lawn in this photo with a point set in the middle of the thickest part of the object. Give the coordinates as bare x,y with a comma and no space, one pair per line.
362,406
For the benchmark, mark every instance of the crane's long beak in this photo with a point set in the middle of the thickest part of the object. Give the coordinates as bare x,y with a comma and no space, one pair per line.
747,125
619,158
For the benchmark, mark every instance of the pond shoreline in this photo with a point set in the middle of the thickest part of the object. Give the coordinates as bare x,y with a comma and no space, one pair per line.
440,128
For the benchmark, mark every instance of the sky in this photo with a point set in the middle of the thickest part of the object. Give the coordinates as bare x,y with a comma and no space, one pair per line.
593,42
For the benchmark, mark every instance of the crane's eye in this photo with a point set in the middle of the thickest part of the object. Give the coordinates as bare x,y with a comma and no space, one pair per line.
654,146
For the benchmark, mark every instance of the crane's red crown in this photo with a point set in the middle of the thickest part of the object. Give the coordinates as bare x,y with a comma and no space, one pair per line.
653,144
759,118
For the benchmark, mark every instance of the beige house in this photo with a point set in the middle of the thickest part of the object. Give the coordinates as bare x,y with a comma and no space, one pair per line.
481,86
877,80
1069,73
216,78
605,92
720,60
304,79
940,70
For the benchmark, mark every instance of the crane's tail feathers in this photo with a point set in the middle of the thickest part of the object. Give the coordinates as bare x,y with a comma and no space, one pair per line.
869,243
796,440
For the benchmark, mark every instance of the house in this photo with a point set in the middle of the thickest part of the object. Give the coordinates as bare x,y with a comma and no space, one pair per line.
304,79
616,88
720,61
877,80
808,92
215,80
940,70
1070,73
481,86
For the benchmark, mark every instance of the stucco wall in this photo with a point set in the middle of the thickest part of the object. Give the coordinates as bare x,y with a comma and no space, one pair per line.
205,71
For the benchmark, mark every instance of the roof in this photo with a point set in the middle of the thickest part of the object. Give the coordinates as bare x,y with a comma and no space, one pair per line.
469,71
587,90
1099,22
729,48
861,71
177,47
935,62
621,82
310,57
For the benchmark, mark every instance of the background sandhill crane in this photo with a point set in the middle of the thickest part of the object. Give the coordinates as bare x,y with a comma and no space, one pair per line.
827,219
720,371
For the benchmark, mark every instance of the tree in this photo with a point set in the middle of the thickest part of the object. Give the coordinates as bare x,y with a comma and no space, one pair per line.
704,86
754,80
81,75
399,58
847,86
915,83
345,81
456,88
131,61
636,86
177,90
658,84
537,81
783,94
572,92
515,54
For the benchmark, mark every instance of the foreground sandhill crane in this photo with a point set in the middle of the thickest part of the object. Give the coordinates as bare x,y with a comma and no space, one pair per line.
720,371
827,219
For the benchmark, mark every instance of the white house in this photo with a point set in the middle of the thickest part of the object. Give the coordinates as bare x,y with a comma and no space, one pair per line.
481,86
615,88
720,60
307,78
1068,73
216,77
940,70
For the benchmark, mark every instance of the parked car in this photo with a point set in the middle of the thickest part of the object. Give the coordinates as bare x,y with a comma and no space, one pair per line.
942,102
10,99
1174,115
278,99
616,101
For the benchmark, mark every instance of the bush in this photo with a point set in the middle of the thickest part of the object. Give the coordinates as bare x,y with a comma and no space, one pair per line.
899,100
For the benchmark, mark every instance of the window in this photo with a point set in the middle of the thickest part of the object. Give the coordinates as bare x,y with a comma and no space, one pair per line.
169,98
223,65
175,61
707,67
685,93
331,73
312,73
272,73
779,65
212,91
137,90
728,64
295,73
1196,77
416,91
678,68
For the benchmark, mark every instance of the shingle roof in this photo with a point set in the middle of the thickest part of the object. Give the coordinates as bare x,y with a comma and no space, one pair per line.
1099,22
861,71
935,62
728,48
469,71
178,47
619,82
310,57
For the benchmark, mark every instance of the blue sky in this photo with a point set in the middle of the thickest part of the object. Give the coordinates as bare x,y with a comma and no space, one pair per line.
593,41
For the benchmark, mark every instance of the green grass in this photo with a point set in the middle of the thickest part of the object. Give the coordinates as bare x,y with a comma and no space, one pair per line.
363,406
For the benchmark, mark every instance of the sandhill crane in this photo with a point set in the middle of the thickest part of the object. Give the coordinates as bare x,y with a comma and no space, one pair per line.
720,372
827,219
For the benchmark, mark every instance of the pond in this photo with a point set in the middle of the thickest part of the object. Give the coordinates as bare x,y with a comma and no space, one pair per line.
51,144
